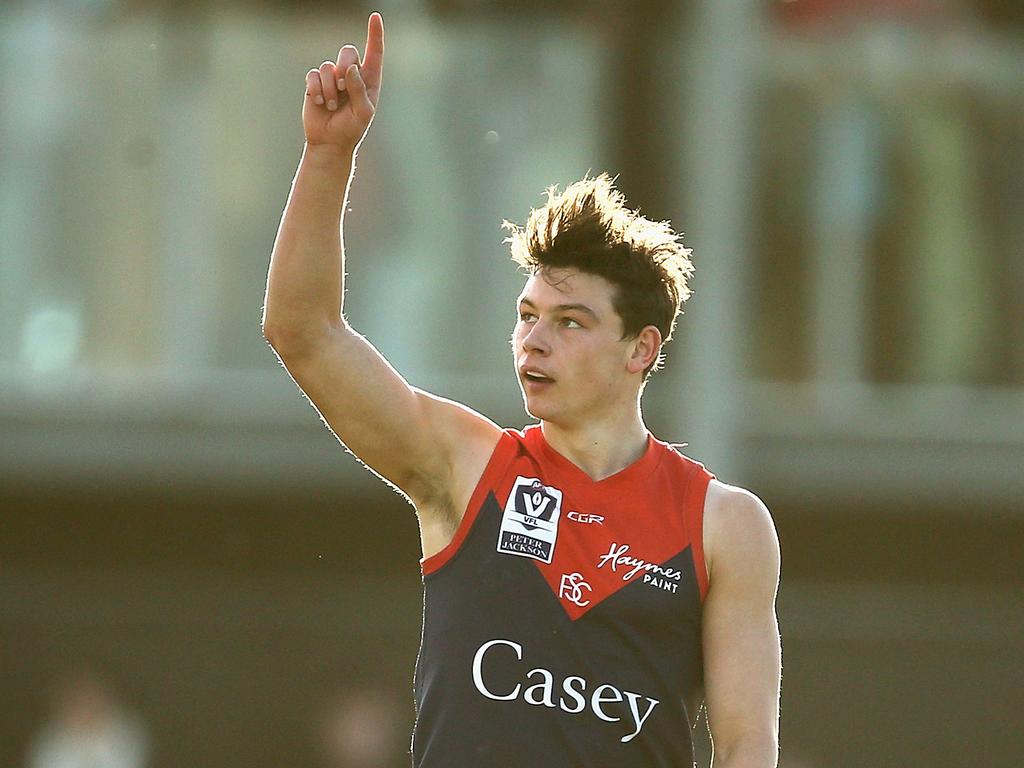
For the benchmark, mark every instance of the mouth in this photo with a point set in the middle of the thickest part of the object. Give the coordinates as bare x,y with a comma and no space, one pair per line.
535,378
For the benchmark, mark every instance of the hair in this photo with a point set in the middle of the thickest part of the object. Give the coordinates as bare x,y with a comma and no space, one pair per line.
588,227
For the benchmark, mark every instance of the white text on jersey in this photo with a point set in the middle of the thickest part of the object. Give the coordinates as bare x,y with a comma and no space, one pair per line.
573,699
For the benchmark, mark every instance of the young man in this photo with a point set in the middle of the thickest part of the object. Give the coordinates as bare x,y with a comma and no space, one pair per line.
585,586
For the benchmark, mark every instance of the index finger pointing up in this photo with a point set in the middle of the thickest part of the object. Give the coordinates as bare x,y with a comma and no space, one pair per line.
373,61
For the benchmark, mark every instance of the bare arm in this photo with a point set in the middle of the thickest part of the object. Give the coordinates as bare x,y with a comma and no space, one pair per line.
404,434
742,651
305,285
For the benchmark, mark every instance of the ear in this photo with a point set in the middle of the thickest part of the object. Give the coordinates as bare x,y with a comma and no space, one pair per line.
644,349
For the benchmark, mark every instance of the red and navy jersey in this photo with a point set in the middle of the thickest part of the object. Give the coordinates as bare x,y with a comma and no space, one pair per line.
562,624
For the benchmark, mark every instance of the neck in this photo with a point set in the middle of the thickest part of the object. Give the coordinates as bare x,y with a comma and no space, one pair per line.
600,449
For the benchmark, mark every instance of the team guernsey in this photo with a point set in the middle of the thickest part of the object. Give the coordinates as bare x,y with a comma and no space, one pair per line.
562,624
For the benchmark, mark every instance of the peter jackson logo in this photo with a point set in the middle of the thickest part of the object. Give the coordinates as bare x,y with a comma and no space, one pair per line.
529,524
655,575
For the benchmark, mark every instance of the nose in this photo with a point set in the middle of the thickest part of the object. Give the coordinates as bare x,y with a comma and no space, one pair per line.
536,339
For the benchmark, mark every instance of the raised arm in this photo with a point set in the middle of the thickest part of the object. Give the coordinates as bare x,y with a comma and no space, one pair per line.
742,651
305,287
417,441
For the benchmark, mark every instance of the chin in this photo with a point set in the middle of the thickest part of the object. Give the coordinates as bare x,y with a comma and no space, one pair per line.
548,413
535,411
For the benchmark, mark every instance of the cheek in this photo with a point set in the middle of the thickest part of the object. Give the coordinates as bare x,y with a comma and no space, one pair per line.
600,365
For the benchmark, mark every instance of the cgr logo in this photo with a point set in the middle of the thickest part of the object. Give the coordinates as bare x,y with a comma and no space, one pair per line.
529,525
572,587
583,517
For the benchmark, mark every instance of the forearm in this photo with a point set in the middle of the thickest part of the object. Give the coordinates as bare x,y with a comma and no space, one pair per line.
305,284
752,752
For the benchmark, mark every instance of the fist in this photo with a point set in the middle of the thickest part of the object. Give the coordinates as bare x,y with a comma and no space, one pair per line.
342,96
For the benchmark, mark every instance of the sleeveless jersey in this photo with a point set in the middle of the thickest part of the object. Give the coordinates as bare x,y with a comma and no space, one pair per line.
562,624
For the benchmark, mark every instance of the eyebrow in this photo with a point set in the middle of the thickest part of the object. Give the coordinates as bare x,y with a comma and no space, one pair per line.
565,307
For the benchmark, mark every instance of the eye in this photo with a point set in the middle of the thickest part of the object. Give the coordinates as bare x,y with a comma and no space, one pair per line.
526,316
570,322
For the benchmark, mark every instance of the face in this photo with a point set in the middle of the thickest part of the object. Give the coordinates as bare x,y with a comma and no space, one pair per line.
572,363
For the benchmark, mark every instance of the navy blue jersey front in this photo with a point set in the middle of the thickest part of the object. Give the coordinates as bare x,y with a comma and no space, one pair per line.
562,624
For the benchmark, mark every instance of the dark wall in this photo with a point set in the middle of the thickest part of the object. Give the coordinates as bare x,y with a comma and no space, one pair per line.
227,620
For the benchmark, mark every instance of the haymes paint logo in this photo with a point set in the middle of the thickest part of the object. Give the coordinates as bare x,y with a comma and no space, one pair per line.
529,524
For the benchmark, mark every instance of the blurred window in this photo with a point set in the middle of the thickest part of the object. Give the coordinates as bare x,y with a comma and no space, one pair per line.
889,228
141,197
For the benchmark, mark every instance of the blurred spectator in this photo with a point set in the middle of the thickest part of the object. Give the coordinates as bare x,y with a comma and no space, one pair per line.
90,728
360,727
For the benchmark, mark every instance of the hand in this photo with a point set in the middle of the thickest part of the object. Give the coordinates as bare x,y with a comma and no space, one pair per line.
341,98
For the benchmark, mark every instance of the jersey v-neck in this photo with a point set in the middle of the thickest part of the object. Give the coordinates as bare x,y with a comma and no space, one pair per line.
627,479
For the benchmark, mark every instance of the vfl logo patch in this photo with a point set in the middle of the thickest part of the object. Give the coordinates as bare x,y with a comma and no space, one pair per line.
529,524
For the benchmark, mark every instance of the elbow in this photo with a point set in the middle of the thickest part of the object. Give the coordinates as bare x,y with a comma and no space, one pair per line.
272,333
296,341
290,342
274,336
270,324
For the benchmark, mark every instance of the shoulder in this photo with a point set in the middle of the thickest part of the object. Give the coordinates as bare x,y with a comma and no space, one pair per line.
463,440
442,495
739,535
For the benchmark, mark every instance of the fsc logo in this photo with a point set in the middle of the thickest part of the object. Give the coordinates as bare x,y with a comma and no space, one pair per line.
572,587
529,525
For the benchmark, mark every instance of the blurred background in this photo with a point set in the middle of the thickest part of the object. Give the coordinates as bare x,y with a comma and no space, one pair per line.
193,571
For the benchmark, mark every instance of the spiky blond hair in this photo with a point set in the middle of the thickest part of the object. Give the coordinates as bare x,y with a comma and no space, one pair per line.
588,227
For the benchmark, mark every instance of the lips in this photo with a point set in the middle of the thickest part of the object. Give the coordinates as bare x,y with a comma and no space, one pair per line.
535,375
